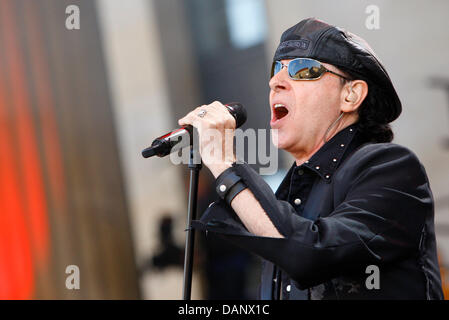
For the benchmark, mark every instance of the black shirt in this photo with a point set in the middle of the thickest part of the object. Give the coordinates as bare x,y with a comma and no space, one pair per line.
297,185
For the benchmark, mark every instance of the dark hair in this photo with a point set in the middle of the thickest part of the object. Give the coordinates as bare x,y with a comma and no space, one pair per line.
373,129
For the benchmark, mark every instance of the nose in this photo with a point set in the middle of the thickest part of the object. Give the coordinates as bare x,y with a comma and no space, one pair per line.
280,81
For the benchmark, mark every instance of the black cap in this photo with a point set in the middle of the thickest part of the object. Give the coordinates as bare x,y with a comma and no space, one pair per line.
312,38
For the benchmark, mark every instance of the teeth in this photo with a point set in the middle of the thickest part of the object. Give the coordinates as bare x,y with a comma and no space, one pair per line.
278,105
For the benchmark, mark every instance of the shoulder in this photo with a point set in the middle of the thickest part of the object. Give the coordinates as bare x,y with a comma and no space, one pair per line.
382,152
385,151
387,158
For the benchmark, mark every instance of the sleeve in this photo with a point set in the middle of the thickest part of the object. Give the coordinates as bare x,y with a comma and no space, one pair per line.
381,203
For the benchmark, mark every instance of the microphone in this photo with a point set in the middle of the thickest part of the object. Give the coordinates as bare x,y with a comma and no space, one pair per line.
182,137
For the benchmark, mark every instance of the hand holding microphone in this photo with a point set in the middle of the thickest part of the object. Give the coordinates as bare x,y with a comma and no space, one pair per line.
216,124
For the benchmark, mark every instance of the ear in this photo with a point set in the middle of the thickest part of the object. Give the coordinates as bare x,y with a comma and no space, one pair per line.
353,94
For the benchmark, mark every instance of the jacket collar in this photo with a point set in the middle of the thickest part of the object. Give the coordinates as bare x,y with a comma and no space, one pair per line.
326,160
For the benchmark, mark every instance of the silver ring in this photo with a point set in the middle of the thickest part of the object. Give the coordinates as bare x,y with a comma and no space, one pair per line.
202,113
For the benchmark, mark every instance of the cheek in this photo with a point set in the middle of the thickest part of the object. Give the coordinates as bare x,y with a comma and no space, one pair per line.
308,102
313,101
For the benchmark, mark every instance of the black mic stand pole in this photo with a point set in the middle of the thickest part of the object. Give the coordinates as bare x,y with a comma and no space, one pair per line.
195,167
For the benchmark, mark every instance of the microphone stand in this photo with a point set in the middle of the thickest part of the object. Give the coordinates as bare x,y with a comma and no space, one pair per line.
195,168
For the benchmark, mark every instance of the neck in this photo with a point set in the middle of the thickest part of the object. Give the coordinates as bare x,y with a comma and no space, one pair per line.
303,155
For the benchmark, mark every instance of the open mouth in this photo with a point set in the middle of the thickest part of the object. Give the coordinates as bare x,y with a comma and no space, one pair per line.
279,111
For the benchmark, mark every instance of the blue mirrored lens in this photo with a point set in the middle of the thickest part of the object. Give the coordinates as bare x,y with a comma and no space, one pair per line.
305,69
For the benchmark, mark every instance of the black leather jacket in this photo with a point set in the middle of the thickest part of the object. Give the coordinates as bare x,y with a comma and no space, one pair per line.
370,204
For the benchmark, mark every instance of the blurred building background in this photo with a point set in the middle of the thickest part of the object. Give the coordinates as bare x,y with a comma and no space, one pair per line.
78,106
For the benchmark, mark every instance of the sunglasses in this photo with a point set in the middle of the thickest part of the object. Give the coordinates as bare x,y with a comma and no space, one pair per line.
303,69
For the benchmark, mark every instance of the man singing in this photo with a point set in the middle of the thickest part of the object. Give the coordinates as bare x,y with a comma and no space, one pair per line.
352,205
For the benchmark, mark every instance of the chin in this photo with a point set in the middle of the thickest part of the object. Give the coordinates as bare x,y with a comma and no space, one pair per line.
279,141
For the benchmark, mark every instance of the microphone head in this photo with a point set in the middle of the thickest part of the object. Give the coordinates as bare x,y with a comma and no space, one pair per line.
238,111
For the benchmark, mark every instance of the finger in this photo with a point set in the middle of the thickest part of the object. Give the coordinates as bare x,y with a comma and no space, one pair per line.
193,120
185,121
217,115
219,107
189,118
227,118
